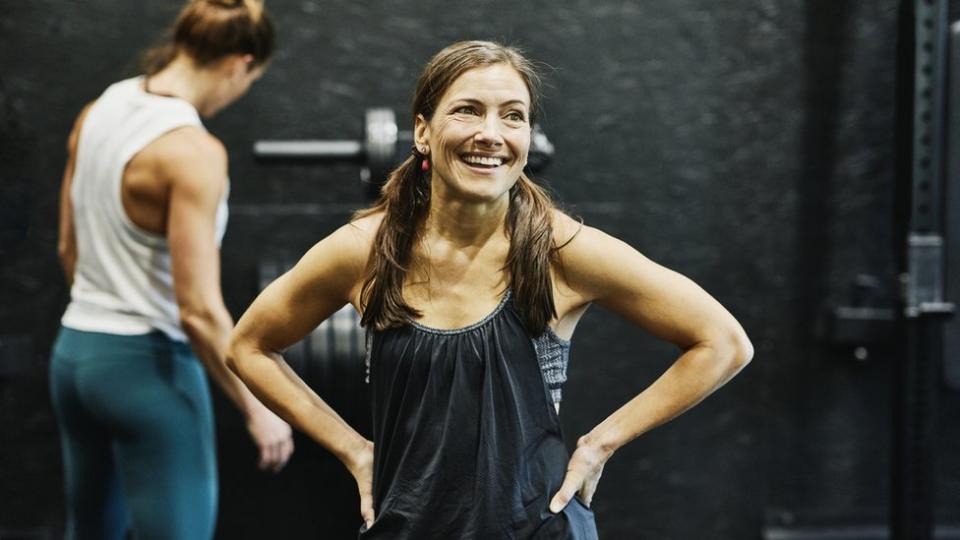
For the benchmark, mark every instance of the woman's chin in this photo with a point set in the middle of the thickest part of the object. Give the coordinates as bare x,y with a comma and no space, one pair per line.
471,188
482,193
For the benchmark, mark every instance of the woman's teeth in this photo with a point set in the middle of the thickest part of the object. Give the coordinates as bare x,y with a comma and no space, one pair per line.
487,161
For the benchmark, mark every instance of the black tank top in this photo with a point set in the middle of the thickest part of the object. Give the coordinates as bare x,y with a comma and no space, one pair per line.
467,442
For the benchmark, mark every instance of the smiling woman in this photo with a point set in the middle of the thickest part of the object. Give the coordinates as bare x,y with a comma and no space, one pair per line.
470,284
481,129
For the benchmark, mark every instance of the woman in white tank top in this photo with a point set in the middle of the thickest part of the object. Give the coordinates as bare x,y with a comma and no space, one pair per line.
143,209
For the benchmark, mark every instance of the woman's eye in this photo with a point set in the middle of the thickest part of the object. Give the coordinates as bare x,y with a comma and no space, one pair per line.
515,116
466,109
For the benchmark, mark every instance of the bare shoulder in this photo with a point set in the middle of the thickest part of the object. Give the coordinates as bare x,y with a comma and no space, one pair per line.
565,228
358,235
338,262
189,143
188,157
578,243
591,261
367,225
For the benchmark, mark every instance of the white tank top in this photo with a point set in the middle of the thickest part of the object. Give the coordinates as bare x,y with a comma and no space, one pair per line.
122,282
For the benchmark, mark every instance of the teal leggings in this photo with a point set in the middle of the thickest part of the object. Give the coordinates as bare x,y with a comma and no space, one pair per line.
136,425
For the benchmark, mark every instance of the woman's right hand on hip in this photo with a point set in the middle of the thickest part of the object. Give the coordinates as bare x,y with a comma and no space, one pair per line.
360,465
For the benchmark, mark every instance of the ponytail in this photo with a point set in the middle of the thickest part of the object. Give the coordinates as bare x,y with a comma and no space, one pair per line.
532,252
404,201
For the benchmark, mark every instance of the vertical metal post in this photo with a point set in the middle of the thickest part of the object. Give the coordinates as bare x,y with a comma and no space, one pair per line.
951,341
916,382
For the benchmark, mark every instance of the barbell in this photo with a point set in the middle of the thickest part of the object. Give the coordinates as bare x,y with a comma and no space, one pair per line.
383,147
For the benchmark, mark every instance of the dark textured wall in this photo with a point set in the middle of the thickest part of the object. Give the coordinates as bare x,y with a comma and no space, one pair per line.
745,144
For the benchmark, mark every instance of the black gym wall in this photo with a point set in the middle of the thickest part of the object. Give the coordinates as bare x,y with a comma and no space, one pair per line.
748,145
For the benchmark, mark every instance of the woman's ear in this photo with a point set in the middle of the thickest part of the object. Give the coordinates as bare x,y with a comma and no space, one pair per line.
248,61
239,65
421,134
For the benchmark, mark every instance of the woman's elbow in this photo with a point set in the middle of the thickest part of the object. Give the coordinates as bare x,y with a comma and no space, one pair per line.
245,354
741,350
731,351
234,357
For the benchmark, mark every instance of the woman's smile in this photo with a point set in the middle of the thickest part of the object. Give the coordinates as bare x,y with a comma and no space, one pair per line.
483,163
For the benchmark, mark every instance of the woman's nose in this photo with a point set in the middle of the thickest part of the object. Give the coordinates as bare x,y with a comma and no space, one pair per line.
489,132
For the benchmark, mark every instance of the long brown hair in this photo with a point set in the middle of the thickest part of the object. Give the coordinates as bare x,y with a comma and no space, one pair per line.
210,30
405,202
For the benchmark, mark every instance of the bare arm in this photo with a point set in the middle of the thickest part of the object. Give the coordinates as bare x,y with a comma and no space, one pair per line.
67,238
669,306
325,279
195,166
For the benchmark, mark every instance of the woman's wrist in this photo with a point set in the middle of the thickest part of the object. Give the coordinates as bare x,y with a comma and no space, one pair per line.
357,454
247,403
600,440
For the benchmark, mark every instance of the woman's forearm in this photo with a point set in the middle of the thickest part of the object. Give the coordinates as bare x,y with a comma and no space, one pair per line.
209,332
694,376
275,384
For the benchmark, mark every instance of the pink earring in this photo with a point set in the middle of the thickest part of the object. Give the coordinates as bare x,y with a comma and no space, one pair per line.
425,164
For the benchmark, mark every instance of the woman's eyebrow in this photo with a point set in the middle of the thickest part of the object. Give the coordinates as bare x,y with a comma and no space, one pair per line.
474,101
